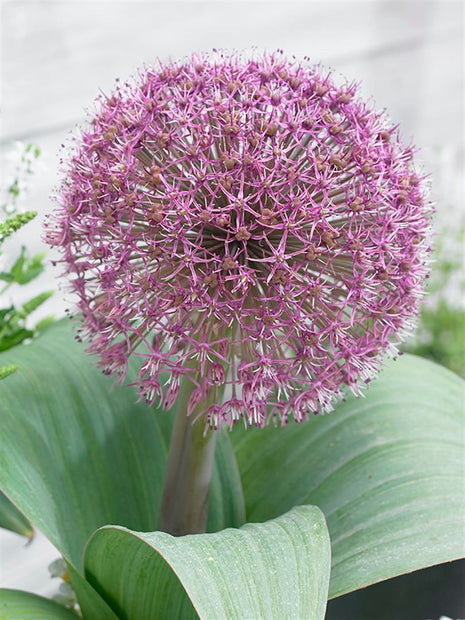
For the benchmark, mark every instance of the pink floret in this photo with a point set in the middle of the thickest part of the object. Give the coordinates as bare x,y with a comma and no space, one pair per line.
249,225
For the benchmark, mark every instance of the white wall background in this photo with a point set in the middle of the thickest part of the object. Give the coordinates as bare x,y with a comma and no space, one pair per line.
57,54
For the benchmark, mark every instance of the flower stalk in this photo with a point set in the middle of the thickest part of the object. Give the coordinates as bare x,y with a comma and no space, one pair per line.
184,507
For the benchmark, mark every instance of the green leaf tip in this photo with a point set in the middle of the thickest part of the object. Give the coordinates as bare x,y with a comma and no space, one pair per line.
5,371
273,570
13,519
19,604
32,304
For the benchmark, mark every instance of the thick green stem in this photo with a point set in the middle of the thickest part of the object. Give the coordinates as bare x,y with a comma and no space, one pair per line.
184,507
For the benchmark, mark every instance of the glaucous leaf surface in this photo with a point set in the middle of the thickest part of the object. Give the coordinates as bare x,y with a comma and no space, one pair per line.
387,470
275,570
78,452
12,519
27,606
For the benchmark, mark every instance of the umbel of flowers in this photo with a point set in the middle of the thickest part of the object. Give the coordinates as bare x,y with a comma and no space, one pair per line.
245,224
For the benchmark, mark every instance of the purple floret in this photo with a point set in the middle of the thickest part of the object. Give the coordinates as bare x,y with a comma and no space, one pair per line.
246,224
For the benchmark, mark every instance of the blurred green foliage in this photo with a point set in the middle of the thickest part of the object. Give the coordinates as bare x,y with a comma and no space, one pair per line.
440,335
15,326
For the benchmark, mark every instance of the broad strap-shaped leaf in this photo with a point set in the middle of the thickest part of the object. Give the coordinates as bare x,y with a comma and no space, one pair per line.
12,519
274,570
78,452
226,500
387,470
92,605
25,606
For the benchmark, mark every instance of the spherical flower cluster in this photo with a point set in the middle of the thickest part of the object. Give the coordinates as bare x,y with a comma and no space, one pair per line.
245,224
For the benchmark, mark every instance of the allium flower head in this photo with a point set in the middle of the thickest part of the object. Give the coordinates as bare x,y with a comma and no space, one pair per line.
247,224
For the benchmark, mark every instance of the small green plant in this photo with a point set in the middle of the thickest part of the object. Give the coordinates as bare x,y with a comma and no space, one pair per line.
15,325
14,321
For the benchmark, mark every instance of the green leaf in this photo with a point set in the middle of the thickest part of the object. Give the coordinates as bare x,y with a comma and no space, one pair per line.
31,148
77,452
92,605
26,269
4,312
6,277
12,340
386,470
24,605
226,508
45,322
17,268
6,371
12,519
34,303
14,223
274,570
32,268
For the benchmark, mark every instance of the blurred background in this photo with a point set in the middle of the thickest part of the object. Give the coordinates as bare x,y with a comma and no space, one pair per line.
56,55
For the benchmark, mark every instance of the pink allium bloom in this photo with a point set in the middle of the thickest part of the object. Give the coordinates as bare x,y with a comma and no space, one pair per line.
249,223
